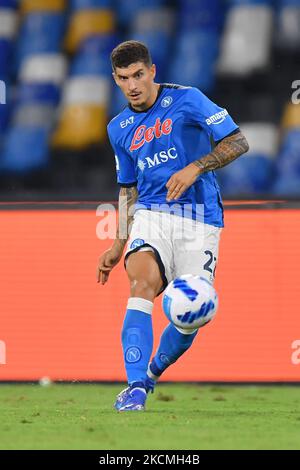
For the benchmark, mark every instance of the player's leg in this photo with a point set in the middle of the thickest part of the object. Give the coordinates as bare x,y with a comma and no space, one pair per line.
148,262
173,343
195,252
137,334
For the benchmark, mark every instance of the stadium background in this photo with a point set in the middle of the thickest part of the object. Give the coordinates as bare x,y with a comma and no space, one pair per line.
54,60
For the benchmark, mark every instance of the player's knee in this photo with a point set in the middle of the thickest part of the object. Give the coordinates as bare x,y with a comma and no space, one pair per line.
143,288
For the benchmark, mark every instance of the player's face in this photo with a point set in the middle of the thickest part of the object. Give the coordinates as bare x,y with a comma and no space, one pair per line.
137,84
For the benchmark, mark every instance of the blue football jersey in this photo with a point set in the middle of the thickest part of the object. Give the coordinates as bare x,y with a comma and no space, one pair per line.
150,146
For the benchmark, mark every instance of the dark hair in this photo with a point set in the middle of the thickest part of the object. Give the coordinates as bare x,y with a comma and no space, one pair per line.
130,52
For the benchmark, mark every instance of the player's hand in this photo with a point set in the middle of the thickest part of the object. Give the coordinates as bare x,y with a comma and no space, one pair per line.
181,181
107,261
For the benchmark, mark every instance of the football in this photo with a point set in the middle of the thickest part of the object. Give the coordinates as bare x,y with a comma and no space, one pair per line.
190,302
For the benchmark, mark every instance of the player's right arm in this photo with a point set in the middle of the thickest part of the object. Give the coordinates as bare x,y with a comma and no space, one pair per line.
127,198
110,258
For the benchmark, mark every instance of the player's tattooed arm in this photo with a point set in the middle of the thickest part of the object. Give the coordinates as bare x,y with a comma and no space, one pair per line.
110,258
225,152
127,199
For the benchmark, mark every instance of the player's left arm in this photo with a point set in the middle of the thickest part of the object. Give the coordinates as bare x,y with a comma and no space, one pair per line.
225,152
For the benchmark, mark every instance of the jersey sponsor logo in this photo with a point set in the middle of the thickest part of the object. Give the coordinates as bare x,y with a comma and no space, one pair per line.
144,134
128,121
217,118
165,102
158,158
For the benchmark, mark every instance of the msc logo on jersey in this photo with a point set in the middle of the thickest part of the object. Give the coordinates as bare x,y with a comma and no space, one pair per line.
145,134
158,158
165,102
217,118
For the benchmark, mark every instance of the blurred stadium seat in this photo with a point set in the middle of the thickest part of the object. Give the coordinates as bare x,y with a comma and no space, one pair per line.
84,112
154,27
40,32
50,68
89,22
254,172
246,45
29,6
200,73
9,4
25,150
288,165
92,57
83,4
127,10
201,14
34,115
8,30
291,116
45,93
80,125
4,121
288,31
87,90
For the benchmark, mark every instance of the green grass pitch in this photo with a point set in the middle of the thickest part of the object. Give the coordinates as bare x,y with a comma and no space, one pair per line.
178,416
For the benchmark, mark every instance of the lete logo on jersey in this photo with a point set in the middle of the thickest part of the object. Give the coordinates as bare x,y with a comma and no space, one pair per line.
145,134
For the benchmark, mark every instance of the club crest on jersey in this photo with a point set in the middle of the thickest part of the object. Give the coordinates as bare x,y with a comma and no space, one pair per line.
136,243
165,102
144,134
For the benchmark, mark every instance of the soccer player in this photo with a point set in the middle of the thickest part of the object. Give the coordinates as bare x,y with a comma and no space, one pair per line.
168,141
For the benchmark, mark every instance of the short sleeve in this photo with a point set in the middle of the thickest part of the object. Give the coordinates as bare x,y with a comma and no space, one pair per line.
215,120
124,164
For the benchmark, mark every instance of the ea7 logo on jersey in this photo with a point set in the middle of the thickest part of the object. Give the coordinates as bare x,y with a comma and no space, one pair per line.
128,121
145,134
217,118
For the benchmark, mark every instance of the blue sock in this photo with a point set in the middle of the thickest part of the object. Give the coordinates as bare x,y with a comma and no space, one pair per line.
137,339
172,345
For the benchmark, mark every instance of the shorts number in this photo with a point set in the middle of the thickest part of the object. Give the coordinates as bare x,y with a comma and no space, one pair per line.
208,263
